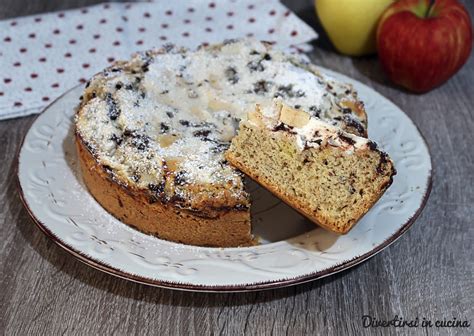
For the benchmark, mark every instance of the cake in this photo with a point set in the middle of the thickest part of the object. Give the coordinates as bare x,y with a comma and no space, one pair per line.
151,133
330,176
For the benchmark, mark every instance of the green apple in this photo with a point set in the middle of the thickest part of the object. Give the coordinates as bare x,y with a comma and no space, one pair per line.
351,24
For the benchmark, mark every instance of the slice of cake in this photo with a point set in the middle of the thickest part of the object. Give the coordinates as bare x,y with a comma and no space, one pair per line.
330,176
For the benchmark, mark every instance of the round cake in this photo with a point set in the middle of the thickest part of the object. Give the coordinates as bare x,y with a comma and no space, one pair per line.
151,133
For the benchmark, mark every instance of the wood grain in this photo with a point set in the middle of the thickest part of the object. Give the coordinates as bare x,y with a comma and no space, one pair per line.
427,273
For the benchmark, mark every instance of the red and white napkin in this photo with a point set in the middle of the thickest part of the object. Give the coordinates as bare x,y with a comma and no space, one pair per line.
44,55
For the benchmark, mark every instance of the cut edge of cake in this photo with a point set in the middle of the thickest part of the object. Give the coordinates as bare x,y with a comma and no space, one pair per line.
330,176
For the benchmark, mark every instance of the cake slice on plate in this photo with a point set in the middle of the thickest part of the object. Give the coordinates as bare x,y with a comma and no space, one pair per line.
330,176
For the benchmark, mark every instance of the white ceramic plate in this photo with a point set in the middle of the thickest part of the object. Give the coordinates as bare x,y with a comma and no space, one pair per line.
292,250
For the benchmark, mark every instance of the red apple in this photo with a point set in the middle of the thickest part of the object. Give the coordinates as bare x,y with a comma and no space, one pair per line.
422,43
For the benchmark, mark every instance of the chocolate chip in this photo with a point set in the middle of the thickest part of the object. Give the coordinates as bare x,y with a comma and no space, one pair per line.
170,114
220,147
118,140
184,123
180,178
107,169
113,111
164,128
352,122
287,91
139,141
382,162
255,65
229,41
118,86
372,145
261,87
231,75
283,127
201,133
316,112
344,138
352,190
157,188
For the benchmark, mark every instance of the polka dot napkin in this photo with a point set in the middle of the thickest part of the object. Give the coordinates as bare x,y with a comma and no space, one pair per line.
42,56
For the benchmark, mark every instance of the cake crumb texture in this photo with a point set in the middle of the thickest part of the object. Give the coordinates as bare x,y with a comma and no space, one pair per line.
332,177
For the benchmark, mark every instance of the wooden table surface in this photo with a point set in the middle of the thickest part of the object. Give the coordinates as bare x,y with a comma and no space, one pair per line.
427,273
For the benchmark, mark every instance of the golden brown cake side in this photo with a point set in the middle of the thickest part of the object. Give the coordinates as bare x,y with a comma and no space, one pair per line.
135,207
333,178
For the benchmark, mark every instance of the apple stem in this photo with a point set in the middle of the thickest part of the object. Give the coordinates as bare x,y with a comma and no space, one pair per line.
428,10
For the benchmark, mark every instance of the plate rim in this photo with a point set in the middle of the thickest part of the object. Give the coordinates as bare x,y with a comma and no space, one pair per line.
264,285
